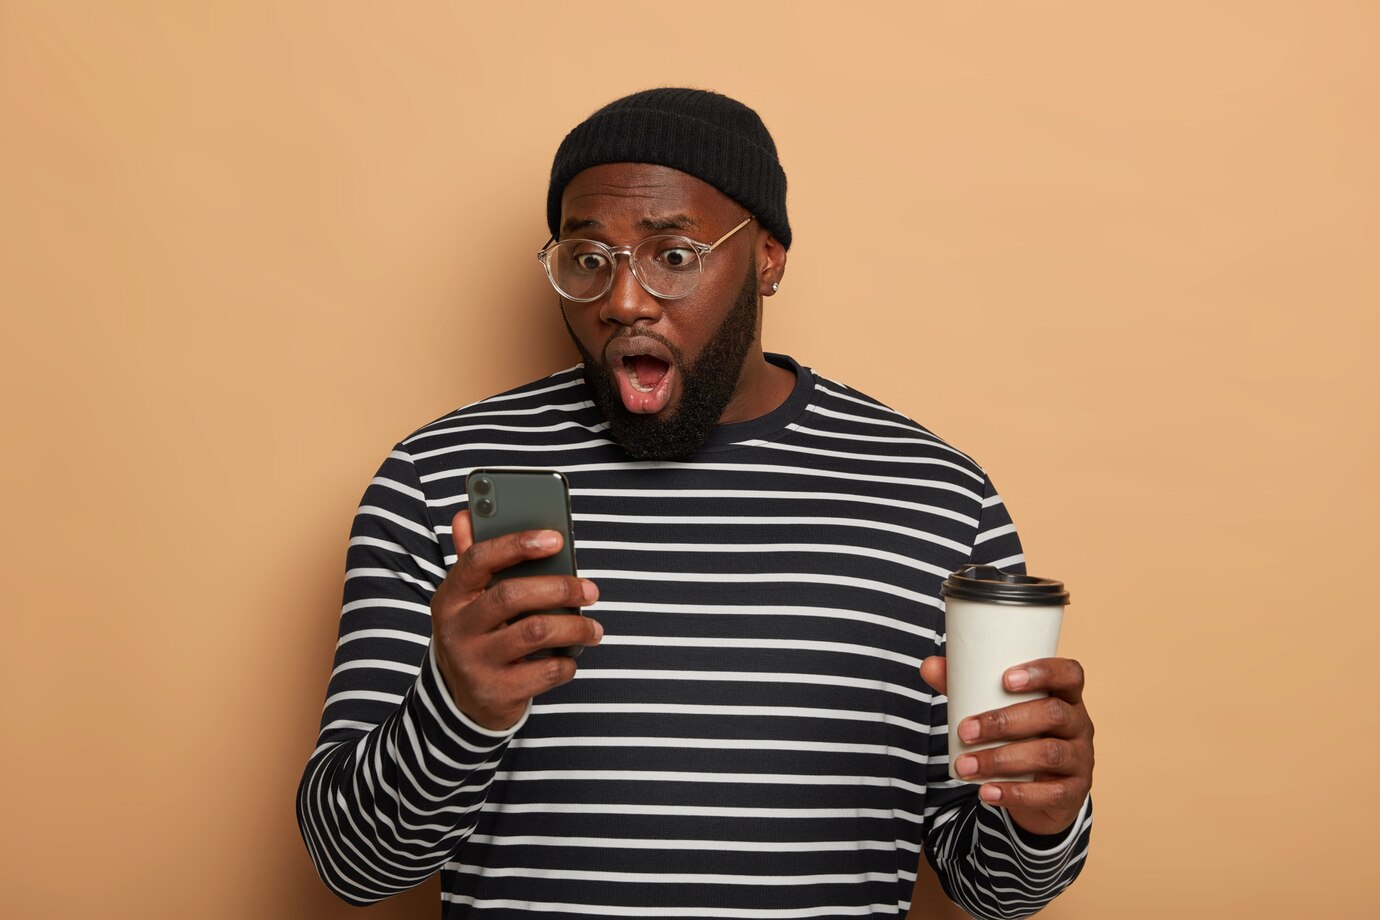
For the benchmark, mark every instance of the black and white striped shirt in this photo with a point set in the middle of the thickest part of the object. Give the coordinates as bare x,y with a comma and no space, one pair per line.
751,739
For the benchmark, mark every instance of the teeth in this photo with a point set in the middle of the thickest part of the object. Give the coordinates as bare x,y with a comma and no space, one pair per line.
630,371
632,378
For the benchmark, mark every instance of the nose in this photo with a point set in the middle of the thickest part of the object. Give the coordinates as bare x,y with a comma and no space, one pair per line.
627,301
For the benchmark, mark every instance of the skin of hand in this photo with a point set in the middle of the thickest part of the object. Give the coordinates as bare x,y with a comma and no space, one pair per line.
1050,738
481,653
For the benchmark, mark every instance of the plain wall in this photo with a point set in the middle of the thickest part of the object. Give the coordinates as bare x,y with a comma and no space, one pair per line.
1122,253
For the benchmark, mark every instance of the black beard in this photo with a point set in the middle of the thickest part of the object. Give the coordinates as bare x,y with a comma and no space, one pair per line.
706,386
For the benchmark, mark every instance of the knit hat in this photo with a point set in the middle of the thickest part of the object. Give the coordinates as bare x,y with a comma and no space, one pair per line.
709,136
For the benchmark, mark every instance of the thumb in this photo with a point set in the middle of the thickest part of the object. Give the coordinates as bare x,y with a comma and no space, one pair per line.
935,672
461,534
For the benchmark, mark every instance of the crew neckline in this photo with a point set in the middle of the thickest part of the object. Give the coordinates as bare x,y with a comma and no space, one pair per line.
727,437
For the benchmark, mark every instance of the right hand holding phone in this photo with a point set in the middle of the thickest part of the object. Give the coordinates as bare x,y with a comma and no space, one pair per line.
481,654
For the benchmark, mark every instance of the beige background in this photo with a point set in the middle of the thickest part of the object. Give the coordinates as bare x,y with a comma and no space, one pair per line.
1124,253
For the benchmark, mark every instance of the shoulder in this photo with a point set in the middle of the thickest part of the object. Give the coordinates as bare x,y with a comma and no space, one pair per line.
561,393
841,413
549,422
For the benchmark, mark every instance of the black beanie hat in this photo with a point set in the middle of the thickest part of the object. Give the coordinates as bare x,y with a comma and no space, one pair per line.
709,136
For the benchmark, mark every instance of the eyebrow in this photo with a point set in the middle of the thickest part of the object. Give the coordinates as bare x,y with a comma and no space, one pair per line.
573,226
654,224
674,222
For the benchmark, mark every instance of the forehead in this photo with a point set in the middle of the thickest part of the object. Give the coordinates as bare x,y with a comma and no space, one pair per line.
626,195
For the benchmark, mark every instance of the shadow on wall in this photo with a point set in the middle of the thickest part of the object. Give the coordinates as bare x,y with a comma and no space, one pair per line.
503,329
523,338
306,598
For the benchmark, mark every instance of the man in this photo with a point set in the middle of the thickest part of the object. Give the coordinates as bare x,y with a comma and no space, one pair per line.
761,551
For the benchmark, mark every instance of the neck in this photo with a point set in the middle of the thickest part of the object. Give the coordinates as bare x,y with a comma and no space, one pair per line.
762,387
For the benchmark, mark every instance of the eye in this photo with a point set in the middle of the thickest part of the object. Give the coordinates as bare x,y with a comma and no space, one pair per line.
586,258
677,255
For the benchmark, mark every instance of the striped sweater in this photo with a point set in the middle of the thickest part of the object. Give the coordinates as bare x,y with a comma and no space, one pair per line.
751,739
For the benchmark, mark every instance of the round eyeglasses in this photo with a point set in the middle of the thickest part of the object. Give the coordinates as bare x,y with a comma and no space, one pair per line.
668,267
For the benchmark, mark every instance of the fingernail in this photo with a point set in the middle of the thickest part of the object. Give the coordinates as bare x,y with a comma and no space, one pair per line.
1017,679
545,539
591,592
969,730
598,630
966,765
990,794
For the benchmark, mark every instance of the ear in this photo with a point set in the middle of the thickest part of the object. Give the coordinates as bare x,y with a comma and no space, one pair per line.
771,263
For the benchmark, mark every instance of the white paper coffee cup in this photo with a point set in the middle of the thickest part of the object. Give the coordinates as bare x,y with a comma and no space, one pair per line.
994,620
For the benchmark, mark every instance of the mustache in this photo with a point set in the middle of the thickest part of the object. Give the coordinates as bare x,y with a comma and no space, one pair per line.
633,332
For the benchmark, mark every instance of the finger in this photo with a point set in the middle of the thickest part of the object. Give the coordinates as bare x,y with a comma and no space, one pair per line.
1043,757
1046,717
450,595
527,679
934,671
507,600
476,566
1062,677
543,631
1065,793
461,532
498,701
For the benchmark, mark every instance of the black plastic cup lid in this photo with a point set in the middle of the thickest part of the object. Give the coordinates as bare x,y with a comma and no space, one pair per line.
989,584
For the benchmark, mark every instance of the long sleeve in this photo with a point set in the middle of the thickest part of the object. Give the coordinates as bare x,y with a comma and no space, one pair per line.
399,774
986,864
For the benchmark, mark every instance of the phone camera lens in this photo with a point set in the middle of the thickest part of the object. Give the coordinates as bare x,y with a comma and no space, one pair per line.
484,507
482,486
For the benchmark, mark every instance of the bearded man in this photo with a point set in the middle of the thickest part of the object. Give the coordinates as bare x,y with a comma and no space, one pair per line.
758,727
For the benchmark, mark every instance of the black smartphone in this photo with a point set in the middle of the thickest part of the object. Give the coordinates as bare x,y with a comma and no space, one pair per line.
504,501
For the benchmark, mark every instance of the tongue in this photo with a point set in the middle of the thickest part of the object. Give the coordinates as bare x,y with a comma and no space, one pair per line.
649,370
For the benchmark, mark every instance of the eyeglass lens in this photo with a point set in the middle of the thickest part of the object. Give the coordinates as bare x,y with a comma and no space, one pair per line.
667,266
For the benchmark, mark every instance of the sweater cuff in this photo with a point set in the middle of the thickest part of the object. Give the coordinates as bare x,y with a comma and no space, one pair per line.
451,743
1043,846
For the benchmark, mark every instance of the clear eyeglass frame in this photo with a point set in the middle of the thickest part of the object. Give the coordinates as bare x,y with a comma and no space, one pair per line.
639,272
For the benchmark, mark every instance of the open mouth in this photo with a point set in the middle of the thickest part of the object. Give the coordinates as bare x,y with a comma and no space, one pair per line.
643,369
